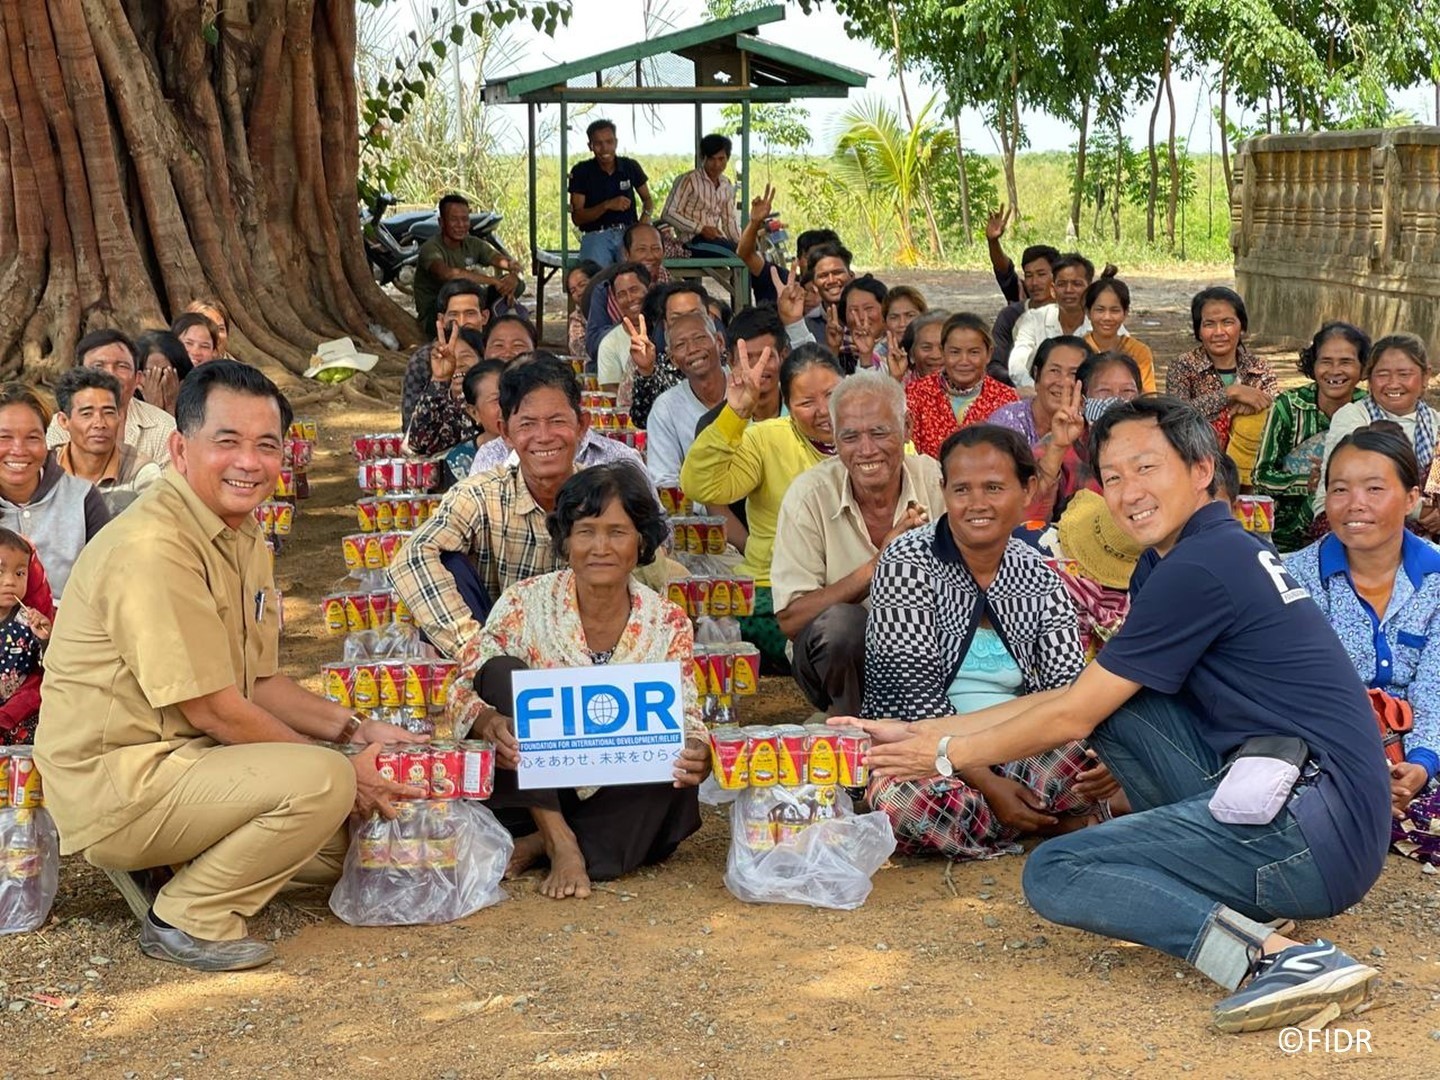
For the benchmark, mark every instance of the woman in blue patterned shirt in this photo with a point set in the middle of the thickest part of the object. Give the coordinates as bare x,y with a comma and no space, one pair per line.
1379,585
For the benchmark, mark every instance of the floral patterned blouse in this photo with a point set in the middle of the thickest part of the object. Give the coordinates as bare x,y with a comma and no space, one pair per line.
933,416
538,621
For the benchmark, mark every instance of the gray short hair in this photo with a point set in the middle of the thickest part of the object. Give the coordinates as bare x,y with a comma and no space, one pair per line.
687,316
873,383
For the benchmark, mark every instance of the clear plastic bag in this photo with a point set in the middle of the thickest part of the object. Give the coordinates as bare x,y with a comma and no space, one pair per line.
29,869
804,845
712,794
437,861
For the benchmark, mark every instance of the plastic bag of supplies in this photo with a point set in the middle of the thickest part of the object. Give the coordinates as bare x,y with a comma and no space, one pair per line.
804,845
29,868
437,861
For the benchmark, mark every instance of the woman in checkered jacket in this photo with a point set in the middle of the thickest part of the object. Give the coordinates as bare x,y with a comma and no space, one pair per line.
963,616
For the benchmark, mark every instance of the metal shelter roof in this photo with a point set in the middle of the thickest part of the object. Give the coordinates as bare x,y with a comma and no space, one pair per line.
720,61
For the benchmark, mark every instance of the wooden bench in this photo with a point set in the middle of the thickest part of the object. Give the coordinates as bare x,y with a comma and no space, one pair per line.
730,273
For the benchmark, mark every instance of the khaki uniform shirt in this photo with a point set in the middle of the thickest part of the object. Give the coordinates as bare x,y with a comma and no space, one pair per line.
821,536
163,606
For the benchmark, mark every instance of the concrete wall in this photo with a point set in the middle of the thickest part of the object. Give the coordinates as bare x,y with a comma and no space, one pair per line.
1339,225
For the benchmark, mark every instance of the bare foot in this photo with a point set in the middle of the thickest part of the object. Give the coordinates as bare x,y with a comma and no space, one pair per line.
528,851
567,875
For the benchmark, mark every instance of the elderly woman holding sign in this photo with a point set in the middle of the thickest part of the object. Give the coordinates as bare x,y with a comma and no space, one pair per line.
605,523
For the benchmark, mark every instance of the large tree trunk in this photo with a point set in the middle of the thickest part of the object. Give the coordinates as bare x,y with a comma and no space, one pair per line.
141,168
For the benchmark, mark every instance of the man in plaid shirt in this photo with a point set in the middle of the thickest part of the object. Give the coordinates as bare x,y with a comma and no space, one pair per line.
489,531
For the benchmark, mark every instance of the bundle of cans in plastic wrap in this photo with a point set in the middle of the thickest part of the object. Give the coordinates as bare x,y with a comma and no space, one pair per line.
29,844
276,515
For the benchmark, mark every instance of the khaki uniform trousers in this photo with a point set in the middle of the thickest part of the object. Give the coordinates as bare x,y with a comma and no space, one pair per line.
245,821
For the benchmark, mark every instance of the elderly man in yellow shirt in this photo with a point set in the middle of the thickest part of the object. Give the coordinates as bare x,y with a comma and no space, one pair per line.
834,521
733,459
167,735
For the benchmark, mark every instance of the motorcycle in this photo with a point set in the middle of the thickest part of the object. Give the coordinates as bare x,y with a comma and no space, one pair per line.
392,243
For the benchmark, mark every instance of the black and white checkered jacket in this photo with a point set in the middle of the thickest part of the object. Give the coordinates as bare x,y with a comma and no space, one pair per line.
925,607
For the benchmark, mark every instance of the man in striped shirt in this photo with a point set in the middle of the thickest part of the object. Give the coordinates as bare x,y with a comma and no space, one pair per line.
701,206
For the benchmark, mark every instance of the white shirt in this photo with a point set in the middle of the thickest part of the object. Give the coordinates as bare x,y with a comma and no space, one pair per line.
1031,329
612,359
670,432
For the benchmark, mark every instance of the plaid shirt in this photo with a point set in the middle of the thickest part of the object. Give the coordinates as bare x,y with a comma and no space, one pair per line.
493,519
696,201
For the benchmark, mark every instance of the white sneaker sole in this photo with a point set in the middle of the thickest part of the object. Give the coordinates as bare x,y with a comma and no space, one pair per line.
1346,988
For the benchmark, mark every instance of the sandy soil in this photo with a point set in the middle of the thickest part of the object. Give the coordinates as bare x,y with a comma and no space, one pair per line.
664,974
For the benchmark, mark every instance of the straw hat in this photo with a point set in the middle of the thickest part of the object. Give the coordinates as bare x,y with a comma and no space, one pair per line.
1093,540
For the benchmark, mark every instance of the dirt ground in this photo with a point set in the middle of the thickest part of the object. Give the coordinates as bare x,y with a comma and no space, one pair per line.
664,974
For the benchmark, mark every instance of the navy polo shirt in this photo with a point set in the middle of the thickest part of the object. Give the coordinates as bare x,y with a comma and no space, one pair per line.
1221,624
588,179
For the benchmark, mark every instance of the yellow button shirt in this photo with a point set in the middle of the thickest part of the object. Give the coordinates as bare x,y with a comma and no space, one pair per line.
165,605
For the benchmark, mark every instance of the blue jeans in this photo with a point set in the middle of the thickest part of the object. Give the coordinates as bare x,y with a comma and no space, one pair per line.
1169,875
603,245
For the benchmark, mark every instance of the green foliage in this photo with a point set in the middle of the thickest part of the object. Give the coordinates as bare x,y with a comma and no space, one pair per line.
981,174
402,82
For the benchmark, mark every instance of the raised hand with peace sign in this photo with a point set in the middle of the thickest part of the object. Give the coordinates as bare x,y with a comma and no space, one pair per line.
442,353
789,295
760,205
747,379
897,360
642,349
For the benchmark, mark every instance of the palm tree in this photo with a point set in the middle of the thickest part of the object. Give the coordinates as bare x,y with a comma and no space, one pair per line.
887,168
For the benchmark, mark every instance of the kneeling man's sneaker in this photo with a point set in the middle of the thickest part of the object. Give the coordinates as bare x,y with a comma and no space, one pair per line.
1293,985
178,947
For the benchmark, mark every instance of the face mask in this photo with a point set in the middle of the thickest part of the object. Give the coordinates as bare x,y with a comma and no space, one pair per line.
1098,407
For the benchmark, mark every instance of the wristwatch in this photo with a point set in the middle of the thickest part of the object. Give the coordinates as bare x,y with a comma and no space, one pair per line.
942,757
352,727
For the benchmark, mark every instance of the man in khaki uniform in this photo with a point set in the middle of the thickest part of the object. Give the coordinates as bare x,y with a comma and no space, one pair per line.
163,706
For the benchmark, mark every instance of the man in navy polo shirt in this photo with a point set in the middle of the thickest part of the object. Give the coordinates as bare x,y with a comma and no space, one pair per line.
603,191
1221,646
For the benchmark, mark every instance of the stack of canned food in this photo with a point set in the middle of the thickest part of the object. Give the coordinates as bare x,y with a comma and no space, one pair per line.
383,470
394,513
443,770
23,903
697,535
714,596
371,551
276,516
789,755
394,690
1256,513
615,424
358,611
673,500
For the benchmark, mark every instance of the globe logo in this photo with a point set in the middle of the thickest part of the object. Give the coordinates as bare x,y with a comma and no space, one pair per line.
603,709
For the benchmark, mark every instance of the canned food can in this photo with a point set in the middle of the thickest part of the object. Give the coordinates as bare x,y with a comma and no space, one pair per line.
729,758
714,531
702,671
390,674
694,537
387,763
365,689
759,834
284,518
442,677
823,769
384,515
745,668
851,746
415,767
679,593
339,680
762,748
390,545
4,777
622,419
794,756
477,774
411,473
285,484
642,440
674,501
357,612
365,476
418,674
22,787
309,429
401,610
719,598
352,549
363,447
429,475
334,608
365,512
400,515
446,767
379,607
372,555
698,589
742,597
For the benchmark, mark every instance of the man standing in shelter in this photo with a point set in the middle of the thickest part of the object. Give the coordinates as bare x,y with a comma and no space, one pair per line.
167,735
603,191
